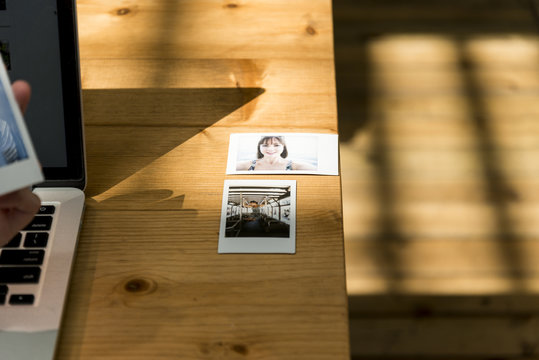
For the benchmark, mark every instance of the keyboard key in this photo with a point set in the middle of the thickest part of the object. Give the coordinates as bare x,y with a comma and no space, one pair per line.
40,223
36,240
22,257
21,299
3,294
15,242
20,275
46,210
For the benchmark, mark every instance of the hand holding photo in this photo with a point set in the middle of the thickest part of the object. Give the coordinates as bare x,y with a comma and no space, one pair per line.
283,153
258,216
19,167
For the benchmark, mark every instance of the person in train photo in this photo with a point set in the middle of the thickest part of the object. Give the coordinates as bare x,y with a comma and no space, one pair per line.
272,154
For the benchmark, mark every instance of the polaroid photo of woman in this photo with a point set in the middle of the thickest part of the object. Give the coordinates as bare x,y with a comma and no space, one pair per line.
283,153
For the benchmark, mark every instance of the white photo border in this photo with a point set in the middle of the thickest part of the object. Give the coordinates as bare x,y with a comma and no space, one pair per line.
273,245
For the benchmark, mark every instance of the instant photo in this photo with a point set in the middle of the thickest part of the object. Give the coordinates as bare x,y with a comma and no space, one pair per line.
283,153
258,216
18,164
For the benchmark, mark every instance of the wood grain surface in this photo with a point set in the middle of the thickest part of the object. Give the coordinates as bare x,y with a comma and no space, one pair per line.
164,84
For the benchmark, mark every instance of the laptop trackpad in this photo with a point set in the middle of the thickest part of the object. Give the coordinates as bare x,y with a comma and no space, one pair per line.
28,345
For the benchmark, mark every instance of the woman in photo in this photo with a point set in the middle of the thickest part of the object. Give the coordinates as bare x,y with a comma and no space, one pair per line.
272,154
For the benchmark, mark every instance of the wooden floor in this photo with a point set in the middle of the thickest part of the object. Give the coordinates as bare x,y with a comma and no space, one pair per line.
439,123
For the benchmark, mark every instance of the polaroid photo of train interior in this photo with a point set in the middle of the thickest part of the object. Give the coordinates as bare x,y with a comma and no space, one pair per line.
258,216
283,153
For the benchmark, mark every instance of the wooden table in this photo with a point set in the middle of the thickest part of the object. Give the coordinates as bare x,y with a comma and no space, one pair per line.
164,84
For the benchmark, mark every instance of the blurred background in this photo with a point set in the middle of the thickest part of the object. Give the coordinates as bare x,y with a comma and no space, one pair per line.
438,105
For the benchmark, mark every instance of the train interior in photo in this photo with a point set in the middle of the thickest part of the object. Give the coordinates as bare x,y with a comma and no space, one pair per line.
258,211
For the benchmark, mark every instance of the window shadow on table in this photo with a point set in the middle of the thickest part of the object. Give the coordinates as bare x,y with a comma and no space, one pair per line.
395,323
361,24
127,129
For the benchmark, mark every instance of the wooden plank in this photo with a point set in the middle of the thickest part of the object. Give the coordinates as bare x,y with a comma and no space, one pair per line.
367,19
429,306
486,10
205,29
484,337
491,79
305,75
230,107
468,257
443,133
447,165
453,193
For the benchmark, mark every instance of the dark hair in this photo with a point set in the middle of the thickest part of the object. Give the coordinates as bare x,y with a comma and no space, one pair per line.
267,139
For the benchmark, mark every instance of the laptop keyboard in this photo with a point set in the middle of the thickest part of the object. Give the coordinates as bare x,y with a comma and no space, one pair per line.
22,260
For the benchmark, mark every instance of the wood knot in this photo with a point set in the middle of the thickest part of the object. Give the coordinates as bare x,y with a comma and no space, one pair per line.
423,311
231,6
240,349
310,30
466,64
139,286
528,349
222,348
375,158
123,11
486,301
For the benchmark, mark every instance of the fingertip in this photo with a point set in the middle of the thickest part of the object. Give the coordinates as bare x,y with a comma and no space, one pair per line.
22,92
36,202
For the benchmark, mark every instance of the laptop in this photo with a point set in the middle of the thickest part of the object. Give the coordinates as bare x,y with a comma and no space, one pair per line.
38,43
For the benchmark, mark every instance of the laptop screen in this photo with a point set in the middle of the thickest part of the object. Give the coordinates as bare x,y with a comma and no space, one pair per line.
38,44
